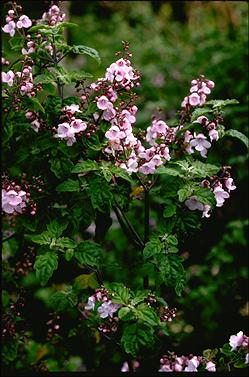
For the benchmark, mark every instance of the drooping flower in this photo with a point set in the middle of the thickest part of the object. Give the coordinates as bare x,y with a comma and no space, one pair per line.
107,309
220,195
236,340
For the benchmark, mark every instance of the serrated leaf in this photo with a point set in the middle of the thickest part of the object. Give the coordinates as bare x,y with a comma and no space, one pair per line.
205,196
81,49
35,105
238,135
41,239
85,281
45,265
69,254
136,336
218,103
139,297
88,253
69,185
123,313
172,240
63,300
101,196
65,242
9,350
174,172
56,228
147,314
85,166
198,112
121,173
169,210
154,246
119,293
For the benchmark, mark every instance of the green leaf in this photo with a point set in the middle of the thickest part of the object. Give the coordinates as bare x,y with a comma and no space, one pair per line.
119,293
44,78
154,246
41,239
218,103
171,271
63,300
69,254
16,43
101,196
56,228
80,49
45,265
121,173
205,196
89,253
61,167
139,297
172,240
169,210
65,242
135,336
174,172
123,313
85,166
9,350
85,281
38,27
210,354
69,185
238,135
198,112
147,314
203,169
34,104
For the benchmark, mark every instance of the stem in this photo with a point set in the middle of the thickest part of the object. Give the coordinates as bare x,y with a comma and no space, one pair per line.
132,230
125,228
146,228
55,60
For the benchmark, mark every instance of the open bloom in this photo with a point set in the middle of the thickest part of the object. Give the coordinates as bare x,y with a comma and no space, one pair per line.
200,143
192,365
8,77
236,340
10,28
220,195
229,184
210,366
23,21
107,309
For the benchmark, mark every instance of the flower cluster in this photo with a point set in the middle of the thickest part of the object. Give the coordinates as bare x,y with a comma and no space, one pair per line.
199,90
24,80
174,363
125,367
15,22
53,16
35,122
221,193
239,340
68,130
167,315
107,308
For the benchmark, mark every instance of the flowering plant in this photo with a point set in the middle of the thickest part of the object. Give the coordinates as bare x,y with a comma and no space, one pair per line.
74,163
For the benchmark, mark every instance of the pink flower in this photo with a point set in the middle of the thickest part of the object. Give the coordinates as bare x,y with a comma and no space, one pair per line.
194,99
206,209
165,368
13,201
236,340
210,84
210,366
192,365
114,133
147,168
220,195
125,367
8,77
78,125
103,103
107,309
23,21
213,135
202,120
72,109
90,303
229,184
247,358
35,125
10,28
200,144
193,203
109,113
160,127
